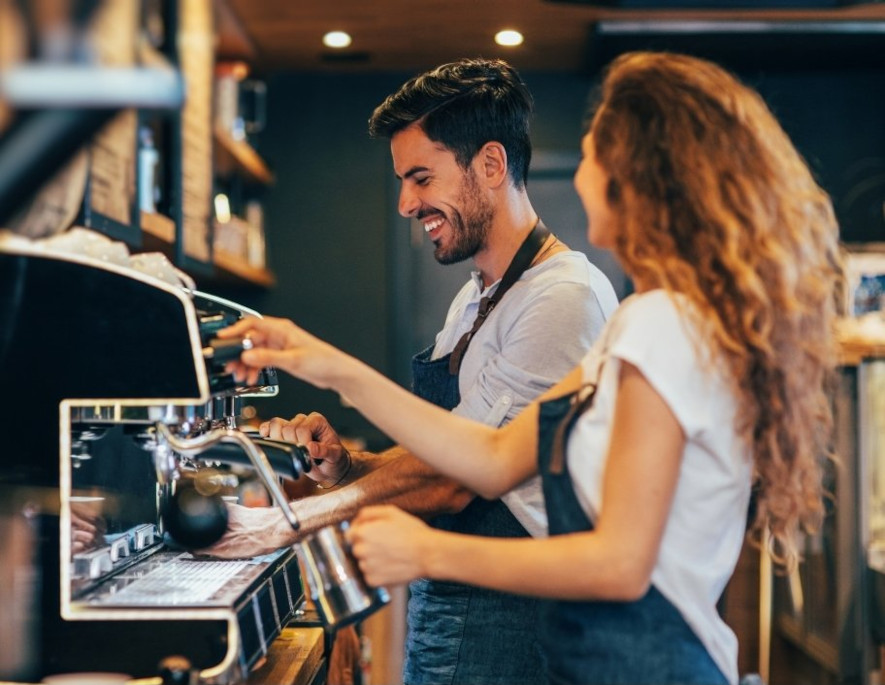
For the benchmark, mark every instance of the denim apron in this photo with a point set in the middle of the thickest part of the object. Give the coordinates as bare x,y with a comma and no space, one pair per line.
643,642
459,634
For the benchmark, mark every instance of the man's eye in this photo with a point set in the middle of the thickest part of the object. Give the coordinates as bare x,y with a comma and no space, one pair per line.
422,181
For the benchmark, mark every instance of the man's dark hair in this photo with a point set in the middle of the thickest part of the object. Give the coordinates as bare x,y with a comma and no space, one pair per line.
464,105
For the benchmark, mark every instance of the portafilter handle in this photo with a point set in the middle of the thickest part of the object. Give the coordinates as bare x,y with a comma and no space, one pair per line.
222,351
194,446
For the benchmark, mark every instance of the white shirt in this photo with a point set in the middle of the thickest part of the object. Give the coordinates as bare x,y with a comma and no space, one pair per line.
538,332
706,525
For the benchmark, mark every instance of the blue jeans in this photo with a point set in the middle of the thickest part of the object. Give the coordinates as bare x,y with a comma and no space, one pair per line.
494,637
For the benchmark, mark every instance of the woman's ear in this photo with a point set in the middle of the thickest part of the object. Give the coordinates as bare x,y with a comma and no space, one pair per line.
490,164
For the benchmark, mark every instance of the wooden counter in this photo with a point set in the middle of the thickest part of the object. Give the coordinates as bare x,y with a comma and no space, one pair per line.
296,657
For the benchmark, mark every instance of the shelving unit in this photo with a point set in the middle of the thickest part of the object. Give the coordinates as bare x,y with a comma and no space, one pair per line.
240,173
155,166
237,156
198,154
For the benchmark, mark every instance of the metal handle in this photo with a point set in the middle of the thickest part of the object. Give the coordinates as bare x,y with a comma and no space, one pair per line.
194,446
222,351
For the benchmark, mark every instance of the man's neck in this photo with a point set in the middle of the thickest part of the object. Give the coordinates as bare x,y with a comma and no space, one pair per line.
511,226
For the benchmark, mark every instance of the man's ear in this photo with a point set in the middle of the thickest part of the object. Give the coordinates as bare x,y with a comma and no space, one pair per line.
490,164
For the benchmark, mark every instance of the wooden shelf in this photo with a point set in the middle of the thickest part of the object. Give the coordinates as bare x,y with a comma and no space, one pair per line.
232,155
158,235
234,42
158,227
233,270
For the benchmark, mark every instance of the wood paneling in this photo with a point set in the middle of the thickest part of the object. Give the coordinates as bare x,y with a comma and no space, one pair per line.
400,34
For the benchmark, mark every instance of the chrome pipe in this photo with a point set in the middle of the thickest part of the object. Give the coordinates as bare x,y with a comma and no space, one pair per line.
194,446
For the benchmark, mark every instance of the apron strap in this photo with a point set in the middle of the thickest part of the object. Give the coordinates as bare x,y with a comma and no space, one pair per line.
578,407
529,249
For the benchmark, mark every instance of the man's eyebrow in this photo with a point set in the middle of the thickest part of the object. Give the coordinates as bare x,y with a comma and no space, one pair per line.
411,172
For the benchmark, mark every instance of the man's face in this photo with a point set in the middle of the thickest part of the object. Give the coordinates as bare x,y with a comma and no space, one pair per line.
445,198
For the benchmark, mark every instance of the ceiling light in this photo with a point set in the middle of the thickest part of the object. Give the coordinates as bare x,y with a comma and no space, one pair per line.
337,39
508,37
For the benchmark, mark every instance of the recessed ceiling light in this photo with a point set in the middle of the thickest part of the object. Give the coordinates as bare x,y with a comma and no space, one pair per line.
508,37
337,39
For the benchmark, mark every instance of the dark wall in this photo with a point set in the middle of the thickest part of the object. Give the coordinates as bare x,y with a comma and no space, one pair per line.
331,223
326,222
836,119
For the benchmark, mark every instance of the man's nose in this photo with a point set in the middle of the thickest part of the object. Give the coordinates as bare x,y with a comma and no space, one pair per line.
409,204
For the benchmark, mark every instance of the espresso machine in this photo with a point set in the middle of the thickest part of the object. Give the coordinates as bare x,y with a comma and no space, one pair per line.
120,447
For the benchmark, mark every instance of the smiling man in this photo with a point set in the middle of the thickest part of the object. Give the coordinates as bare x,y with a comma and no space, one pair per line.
459,138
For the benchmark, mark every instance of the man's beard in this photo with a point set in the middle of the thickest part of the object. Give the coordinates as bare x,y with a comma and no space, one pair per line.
470,228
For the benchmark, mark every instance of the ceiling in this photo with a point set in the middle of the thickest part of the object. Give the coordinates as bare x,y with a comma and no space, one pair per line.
412,36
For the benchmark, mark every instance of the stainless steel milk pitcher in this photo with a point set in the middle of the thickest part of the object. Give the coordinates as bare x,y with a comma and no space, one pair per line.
336,585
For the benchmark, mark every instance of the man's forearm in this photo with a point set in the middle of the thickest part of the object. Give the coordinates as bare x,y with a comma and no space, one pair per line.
363,463
393,477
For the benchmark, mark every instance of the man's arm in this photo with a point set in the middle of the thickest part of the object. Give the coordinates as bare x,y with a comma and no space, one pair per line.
357,479
393,476
401,479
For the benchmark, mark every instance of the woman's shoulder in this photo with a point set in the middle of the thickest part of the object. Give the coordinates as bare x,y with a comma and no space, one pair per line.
661,335
652,308
654,321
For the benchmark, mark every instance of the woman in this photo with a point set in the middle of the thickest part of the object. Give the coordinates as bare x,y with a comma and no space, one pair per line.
708,382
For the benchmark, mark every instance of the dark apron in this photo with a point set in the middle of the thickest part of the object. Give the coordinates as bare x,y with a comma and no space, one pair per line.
459,634
606,643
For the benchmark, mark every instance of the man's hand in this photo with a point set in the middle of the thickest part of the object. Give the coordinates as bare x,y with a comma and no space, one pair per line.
252,531
87,529
330,458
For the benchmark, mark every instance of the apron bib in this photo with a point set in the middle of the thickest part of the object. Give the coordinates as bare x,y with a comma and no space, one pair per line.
459,634
607,643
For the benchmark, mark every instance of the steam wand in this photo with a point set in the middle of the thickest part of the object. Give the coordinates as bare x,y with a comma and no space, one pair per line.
194,446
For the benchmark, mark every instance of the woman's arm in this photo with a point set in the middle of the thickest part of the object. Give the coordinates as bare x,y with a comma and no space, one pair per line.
489,461
614,561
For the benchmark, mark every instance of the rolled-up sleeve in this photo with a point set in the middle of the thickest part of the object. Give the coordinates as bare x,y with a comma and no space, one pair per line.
528,349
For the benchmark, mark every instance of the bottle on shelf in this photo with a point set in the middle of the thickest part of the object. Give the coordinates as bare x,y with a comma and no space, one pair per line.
255,251
148,161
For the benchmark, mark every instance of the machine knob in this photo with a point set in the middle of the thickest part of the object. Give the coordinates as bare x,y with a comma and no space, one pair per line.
177,670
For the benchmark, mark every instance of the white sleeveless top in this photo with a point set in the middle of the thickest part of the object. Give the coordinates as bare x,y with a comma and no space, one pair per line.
706,525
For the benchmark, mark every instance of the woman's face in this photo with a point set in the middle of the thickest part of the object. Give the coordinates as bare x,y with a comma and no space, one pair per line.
591,182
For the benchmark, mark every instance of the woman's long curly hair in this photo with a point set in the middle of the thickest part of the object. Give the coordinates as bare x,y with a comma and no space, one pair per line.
714,202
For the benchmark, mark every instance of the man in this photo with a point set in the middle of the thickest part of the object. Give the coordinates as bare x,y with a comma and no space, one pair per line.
459,137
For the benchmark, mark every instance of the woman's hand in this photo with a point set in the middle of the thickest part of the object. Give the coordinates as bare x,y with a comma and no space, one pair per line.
280,343
391,546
